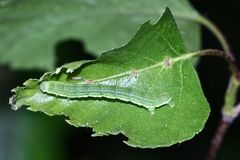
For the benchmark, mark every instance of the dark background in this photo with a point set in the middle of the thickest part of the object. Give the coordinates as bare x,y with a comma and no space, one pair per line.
26,135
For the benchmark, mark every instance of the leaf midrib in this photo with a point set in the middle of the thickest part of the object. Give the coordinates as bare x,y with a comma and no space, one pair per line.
172,61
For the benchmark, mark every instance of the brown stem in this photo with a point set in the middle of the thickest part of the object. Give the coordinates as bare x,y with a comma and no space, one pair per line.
222,129
229,111
228,57
217,140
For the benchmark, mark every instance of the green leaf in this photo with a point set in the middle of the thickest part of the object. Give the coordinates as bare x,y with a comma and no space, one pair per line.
155,61
32,29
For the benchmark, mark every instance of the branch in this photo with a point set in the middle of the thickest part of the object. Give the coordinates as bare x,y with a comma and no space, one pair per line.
225,123
229,112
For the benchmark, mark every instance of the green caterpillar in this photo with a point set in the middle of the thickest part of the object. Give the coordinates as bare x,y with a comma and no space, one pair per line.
80,90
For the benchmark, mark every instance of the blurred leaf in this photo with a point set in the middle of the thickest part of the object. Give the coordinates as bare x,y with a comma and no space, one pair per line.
30,29
160,63
29,136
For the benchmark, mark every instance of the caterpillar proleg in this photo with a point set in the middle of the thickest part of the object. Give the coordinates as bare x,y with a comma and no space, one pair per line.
80,90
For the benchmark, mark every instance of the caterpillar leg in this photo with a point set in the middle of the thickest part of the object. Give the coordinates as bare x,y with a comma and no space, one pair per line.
151,110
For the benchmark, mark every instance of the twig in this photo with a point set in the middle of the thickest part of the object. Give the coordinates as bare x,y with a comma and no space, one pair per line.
217,140
229,112
225,123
